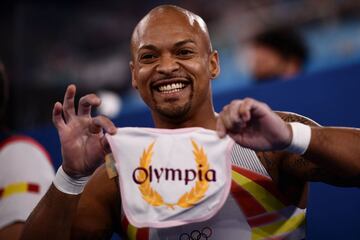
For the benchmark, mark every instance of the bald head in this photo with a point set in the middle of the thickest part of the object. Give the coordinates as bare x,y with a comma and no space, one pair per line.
177,17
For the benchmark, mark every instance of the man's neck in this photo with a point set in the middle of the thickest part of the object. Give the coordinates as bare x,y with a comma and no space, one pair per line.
207,121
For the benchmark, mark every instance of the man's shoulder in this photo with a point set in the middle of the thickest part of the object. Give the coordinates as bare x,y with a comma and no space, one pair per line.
99,208
102,187
24,145
21,158
295,117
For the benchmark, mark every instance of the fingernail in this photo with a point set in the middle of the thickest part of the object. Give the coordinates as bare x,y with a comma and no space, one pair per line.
113,130
221,134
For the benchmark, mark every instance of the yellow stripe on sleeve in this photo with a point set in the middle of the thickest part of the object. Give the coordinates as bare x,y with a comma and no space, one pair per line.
131,232
14,189
264,197
278,228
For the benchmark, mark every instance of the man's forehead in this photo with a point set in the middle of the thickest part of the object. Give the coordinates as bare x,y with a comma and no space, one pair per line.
174,16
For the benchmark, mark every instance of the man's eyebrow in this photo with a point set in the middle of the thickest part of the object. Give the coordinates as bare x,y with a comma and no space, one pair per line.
149,47
178,44
183,42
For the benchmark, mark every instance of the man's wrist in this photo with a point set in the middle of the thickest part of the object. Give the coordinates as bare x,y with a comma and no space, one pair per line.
301,136
69,185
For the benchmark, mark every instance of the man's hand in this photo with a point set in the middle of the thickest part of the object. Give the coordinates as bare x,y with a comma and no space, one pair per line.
83,143
254,125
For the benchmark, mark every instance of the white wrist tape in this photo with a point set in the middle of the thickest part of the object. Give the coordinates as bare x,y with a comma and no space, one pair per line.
301,136
69,185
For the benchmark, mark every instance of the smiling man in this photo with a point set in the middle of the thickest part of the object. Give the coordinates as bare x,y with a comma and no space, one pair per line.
172,67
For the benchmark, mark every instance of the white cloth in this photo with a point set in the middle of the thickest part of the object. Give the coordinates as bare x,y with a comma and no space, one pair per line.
22,161
171,177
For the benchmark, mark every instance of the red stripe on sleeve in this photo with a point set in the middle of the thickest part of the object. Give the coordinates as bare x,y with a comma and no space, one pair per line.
142,234
124,224
263,219
32,187
246,202
263,181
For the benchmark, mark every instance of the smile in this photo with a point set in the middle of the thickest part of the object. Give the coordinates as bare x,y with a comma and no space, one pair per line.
167,87
171,88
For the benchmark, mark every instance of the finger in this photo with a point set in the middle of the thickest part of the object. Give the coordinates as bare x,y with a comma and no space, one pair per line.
260,108
220,128
106,145
57,118
101,122
236,121
86,103
244,111
225,117
68,104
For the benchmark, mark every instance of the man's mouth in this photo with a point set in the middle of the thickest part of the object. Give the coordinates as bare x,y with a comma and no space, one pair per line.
168,87
171,88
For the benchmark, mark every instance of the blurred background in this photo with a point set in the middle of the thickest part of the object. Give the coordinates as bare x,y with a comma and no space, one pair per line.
48,45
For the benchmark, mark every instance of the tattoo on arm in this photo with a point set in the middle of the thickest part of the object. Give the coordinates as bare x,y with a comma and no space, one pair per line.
299,167
307,170
293,117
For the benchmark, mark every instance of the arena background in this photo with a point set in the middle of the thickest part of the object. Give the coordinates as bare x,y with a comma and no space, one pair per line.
46,46
333,212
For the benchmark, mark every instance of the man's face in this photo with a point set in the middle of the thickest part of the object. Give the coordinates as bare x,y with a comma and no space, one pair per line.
172,65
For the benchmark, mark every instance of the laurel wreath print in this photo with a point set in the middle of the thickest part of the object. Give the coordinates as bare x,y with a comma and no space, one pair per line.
188,199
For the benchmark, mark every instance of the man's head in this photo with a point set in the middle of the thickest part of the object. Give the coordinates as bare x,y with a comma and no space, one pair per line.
173,63
277,53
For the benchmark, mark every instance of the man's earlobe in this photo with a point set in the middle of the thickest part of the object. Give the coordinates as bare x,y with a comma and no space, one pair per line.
214,65
213,75
134,84
133,81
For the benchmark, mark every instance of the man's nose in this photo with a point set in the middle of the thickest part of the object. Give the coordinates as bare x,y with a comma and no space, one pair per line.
167,64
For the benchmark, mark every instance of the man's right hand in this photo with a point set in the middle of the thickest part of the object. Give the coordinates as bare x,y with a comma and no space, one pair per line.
83,144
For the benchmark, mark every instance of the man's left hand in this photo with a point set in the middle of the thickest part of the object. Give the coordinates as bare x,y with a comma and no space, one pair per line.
252,124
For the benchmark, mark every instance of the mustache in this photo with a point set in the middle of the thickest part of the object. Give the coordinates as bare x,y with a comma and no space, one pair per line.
161,77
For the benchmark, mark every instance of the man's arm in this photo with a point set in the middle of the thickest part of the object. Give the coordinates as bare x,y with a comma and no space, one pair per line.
83,149
99,210
332,155
12,231
94,214
53,216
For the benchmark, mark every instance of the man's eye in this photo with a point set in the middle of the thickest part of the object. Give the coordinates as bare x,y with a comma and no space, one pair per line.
147,56
185,52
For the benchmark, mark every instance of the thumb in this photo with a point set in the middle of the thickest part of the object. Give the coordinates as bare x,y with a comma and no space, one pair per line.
105,144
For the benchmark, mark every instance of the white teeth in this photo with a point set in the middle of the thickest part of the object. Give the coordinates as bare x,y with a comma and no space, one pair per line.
169,88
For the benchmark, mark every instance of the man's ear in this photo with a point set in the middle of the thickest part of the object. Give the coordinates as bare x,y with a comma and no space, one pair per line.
133,81
214,65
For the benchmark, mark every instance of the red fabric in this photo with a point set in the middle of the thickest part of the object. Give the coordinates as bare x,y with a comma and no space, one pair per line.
249,205
263,181
32,187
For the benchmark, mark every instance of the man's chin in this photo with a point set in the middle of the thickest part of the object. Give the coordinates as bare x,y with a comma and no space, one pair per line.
174,113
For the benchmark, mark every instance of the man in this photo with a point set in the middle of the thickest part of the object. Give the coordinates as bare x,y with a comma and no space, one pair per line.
172,67
279,53
26,173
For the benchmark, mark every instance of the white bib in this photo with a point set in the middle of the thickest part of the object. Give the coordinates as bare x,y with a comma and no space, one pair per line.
171,177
